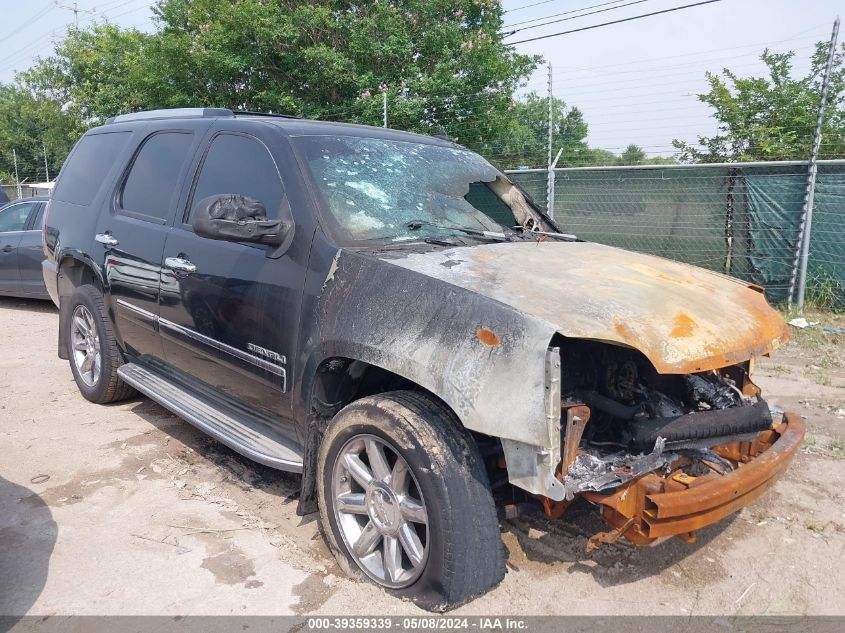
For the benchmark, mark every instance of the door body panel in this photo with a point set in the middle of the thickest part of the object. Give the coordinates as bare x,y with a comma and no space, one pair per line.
222,324
131,241
30,256
13,223
10,281
233,323
131,268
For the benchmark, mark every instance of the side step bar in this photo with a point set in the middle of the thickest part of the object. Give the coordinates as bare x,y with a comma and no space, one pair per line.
246,433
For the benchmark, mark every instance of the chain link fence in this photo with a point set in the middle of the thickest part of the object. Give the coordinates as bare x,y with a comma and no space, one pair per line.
741,218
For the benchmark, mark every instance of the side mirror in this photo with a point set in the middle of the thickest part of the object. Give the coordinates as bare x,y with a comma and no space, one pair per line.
236,218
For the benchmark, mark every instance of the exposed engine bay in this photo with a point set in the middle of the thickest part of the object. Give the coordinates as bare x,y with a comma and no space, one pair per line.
641,421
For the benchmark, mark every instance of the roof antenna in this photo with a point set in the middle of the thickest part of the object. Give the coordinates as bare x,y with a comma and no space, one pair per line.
441,134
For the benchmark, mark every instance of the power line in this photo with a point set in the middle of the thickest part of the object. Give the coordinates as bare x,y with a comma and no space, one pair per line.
38,15
76,10
574,17
596,26
528,6
554,15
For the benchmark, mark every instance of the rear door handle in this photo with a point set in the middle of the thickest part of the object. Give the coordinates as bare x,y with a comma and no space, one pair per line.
8,248
106,238
181,264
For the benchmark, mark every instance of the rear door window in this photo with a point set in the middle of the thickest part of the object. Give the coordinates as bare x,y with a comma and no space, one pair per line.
154,176
14,218
37,221
88,166
237,164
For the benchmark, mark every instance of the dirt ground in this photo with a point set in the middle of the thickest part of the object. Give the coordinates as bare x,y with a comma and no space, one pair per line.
126,509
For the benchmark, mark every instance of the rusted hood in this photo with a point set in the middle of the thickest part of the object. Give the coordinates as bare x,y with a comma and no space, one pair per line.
682,318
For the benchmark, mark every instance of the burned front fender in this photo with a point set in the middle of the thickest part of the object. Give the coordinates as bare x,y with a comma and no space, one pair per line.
485,359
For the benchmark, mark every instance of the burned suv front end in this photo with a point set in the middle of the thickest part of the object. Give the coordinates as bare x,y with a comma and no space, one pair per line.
618,377
582,369
663,454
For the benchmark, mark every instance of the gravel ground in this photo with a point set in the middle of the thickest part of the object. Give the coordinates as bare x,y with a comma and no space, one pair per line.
125,509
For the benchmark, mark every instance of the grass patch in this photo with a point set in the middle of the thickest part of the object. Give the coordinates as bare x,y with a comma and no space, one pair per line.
760,514
815,526
825,292
834,449
819,376
777,369
814,339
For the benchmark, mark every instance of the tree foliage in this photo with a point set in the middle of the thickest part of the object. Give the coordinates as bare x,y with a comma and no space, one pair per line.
633,155
524,138
32,126
772,117
441,63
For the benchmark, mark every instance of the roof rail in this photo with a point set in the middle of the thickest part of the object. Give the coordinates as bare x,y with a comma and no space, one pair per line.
172,113
268,114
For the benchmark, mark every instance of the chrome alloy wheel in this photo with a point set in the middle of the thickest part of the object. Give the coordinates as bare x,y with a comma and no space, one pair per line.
86,346
380,511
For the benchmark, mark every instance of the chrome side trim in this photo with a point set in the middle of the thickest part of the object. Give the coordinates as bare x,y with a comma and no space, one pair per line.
139,311
237,353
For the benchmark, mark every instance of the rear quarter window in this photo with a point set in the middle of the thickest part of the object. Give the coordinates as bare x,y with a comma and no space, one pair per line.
88,166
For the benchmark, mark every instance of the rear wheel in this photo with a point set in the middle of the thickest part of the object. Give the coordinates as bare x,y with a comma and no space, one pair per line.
405,502
92,348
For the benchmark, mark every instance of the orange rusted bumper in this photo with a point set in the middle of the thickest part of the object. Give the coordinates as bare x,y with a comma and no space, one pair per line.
655,505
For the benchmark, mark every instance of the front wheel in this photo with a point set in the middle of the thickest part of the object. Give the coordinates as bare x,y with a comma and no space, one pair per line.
405,502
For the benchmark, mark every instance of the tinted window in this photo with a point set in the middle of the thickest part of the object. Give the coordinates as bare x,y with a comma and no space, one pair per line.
88,166
13,218
38,220
240,165
154,174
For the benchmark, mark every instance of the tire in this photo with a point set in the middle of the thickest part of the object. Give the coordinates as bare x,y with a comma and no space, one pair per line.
463,552
103,385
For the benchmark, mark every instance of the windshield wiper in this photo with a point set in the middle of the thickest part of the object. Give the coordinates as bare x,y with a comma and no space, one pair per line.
566,237
486,235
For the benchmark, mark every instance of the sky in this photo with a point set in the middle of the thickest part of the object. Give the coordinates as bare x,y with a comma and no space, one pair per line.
635,82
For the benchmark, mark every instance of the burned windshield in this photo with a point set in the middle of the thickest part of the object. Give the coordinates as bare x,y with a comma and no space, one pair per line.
396,191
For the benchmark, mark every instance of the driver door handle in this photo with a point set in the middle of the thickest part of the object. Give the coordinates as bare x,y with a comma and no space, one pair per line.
8,248
181,264
106,238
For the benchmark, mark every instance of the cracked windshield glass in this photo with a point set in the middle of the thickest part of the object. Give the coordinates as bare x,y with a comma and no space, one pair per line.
396,191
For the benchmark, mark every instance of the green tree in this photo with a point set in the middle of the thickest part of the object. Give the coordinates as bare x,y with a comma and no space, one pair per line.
31,124
772,117
525,136
442,63
633,155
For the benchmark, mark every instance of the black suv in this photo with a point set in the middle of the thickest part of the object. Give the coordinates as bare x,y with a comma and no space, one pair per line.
389,315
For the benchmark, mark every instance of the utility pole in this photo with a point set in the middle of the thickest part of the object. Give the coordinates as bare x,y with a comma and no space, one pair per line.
802,246
46,169
384,98
76,11
550,176
17,179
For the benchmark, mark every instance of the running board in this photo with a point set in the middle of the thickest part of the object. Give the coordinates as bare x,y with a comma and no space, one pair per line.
244,432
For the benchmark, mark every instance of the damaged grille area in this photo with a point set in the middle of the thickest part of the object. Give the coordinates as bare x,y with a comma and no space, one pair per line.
641,421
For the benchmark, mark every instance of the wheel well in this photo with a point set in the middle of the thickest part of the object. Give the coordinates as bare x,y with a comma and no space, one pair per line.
339,381
72,275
